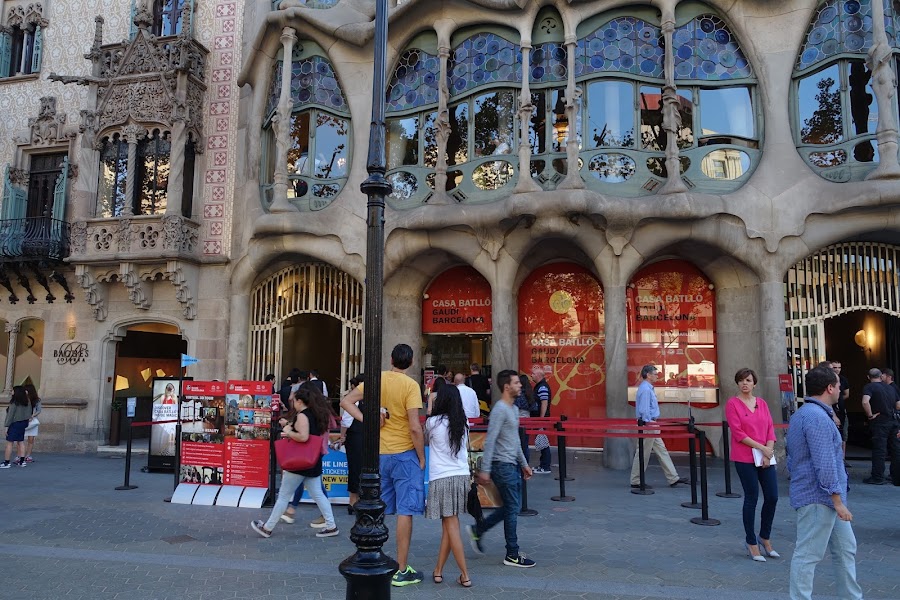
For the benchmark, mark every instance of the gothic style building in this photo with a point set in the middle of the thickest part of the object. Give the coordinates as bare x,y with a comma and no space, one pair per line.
588,186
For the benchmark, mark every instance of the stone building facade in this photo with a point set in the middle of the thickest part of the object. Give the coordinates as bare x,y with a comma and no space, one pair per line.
585,185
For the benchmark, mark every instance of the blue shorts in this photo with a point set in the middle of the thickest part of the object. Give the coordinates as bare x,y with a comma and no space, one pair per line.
16,431
402,484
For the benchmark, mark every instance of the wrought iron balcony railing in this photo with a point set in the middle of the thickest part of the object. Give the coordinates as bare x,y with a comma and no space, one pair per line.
34,238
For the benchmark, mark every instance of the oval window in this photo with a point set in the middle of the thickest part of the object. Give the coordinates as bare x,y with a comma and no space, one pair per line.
612,167
726,164
453,179
492,175
657,165
405,185
831,158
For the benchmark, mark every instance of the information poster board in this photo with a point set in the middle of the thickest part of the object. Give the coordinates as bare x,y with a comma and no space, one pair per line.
248,421
202,429
165,392
334,473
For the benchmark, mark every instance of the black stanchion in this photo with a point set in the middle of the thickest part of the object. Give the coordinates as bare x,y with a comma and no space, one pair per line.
127,485
274,430
726,455
704,519
524,511
643,490
561,448
692,451
562,457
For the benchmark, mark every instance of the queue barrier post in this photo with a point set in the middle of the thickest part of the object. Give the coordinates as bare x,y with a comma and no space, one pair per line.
561,448
726,455
127,485
692,451
704,519
642,489
562,456
524,511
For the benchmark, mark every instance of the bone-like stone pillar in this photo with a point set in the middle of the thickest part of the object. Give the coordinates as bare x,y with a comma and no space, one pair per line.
282,121
617,452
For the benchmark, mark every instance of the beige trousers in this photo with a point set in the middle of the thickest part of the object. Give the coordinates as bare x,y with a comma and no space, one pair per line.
656,445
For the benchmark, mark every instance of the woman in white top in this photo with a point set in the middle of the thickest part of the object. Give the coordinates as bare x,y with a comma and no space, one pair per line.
448,476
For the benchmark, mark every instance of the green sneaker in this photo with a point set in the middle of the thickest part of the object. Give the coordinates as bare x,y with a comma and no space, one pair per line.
408,576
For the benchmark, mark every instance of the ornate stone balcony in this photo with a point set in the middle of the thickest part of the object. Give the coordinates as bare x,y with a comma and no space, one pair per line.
136,251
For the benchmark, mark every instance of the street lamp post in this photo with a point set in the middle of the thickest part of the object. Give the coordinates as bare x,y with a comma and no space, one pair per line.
368,571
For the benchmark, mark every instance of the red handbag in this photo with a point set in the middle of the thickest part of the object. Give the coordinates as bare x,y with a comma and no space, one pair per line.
299,456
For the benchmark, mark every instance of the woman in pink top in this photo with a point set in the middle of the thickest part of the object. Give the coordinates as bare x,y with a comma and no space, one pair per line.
751,428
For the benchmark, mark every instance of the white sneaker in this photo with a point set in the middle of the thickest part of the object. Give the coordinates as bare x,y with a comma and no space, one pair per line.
327,532
288,518
5,465
540,471
259,527
318,523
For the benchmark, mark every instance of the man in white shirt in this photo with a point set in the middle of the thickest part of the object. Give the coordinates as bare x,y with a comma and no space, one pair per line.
469,397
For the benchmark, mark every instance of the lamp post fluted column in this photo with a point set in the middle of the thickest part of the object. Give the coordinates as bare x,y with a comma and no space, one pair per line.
368,571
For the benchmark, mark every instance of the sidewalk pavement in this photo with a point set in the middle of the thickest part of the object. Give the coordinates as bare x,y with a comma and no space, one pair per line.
67,533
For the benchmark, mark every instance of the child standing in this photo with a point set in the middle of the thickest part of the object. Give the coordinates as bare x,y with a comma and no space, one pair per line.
17,414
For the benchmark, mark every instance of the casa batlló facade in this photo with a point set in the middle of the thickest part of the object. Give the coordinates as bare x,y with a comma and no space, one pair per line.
588,186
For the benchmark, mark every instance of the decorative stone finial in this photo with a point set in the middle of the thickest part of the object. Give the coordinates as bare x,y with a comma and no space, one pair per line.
143,17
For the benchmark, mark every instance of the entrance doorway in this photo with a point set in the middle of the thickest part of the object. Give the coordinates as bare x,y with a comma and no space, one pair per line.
307,316
458,352
147,351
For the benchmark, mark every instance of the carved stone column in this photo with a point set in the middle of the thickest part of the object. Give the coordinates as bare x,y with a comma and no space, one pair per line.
282,122
175,189
884,83
442,129
133,134
573,179
12,329
617,452
526,108
671,115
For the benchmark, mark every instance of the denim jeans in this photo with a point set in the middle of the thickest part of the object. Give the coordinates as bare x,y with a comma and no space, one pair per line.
817,527
752,477
291,482
883,438
298,494
508,479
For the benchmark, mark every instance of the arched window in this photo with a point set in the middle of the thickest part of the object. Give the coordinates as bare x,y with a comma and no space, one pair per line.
835,107
318,157
167,17
21,39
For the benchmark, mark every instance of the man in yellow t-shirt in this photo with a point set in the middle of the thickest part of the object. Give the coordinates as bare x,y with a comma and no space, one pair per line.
402,464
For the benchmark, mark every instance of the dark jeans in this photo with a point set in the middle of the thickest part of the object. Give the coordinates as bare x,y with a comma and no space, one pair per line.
526,449
884,436
354,447
508,479
545,459
752,477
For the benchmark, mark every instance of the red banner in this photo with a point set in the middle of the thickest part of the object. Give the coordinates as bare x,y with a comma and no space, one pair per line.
457,301
785,383
561,330
248,421
672,324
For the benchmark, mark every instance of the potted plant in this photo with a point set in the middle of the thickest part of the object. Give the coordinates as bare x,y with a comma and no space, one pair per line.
115,420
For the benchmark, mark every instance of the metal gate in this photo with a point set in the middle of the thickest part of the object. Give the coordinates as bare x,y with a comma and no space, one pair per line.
309,288
837,280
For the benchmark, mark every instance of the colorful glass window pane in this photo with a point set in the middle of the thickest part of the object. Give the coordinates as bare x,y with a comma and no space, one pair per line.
484,58
624,45
843,26
414,82
706,50
312,82
549,63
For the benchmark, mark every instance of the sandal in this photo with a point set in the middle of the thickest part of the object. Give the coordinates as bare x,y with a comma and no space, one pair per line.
466,583
438,578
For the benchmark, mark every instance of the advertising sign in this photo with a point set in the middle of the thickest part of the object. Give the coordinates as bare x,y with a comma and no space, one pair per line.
248,420
561,330
165,393
202,428
334,473
457,301
670,307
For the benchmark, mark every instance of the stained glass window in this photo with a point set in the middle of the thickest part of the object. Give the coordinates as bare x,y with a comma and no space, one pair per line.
312,82
414,82
705,49
484,58
549,63
624,45
842,26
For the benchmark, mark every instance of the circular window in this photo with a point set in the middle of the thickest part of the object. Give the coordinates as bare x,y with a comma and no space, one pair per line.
405,185
492,175
725,164
610,167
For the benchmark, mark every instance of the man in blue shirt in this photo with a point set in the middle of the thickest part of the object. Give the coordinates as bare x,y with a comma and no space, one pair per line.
646,408
819,490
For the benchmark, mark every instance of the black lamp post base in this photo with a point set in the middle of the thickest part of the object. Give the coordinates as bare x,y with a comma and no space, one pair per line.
368,575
